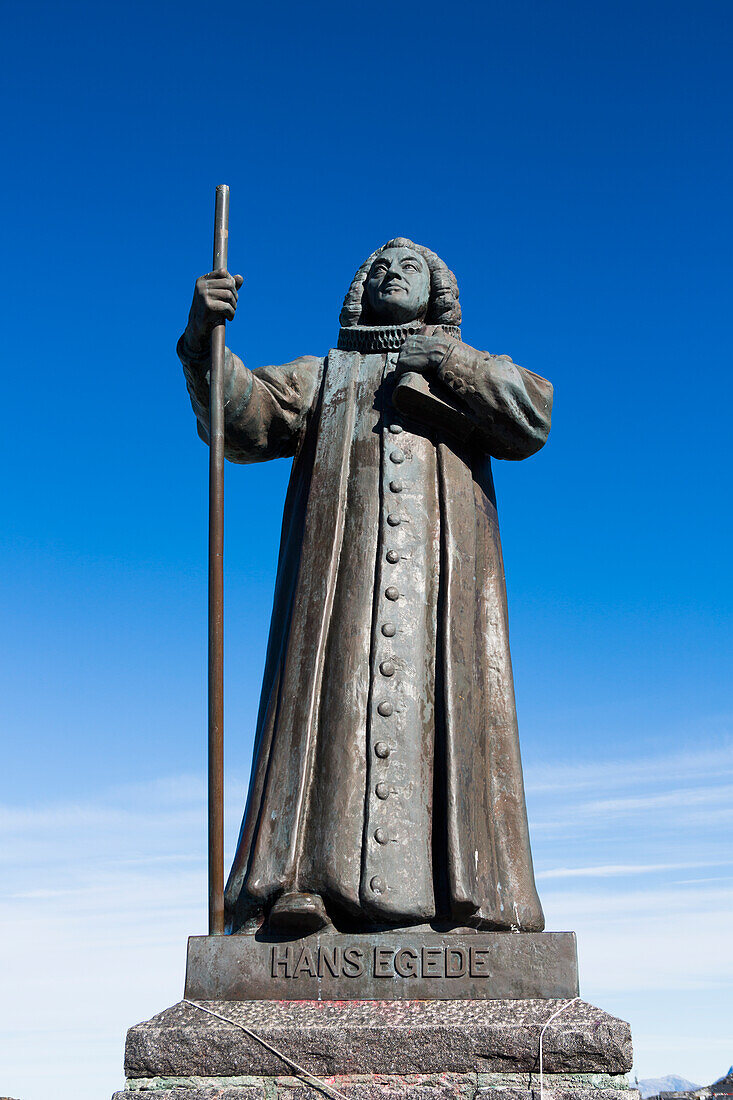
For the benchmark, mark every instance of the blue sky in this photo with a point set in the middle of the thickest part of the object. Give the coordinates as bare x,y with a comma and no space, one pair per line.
572,164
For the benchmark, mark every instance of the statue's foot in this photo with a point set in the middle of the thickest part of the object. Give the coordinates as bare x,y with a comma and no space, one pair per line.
298,913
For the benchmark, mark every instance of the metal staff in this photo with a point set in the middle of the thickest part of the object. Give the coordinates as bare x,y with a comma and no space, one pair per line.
216,585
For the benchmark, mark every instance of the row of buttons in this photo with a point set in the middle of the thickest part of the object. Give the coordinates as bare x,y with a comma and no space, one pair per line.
396,872
389,630
387,667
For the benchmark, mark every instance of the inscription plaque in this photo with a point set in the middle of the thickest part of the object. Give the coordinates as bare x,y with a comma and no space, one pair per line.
410,965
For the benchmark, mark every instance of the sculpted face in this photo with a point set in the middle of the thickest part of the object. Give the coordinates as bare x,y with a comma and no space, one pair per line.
398,286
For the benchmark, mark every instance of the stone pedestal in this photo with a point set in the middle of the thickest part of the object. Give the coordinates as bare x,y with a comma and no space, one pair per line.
368,1049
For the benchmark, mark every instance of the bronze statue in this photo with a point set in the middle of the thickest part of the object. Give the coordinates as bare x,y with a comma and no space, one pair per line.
386,786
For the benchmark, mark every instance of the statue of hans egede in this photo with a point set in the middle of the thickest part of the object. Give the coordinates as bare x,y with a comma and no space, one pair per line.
386,786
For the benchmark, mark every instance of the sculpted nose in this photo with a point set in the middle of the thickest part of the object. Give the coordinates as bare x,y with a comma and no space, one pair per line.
394,271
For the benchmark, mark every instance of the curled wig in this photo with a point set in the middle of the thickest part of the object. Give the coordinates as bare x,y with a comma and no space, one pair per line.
443,308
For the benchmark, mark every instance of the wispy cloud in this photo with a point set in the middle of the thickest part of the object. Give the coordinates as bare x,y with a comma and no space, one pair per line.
613,870
611,772
678,798
663,810
635,856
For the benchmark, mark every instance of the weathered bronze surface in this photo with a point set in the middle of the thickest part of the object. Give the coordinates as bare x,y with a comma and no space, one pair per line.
396,965
386,785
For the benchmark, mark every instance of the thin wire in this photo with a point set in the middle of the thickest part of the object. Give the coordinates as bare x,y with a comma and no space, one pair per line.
306,1076
542,1033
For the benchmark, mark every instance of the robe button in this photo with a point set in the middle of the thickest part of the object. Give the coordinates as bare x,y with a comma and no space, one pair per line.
385,709
381,836
392,593
448,375
397,455
393,519
387,668
471,389
389,630
392,557
382,750
396,429
378,885
396,486
381,791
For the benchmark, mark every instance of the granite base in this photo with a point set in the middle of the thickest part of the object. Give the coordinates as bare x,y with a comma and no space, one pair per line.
374,1050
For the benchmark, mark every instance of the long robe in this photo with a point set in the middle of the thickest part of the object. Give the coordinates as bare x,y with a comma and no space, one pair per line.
386,776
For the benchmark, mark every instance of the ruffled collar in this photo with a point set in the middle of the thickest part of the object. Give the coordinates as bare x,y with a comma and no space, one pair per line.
371,338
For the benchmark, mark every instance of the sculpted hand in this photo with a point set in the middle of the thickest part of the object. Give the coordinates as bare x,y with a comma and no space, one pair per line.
214,299
423,353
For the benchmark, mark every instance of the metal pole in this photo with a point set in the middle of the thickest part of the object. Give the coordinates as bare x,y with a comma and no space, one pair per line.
216,586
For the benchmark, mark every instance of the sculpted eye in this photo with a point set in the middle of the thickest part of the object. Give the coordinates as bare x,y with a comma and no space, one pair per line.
411,265
379,269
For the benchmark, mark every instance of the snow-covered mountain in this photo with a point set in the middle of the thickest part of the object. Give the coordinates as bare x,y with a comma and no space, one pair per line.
652,1086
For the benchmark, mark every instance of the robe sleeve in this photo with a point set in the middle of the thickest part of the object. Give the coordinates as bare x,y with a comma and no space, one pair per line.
509,407
265,410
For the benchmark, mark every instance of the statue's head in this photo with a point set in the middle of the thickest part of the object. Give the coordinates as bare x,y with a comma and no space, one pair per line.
397,286
399,283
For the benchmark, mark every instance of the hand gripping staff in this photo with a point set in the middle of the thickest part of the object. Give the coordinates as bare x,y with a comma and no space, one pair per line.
216,584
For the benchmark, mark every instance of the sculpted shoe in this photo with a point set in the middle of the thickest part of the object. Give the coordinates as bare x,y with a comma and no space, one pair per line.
298,913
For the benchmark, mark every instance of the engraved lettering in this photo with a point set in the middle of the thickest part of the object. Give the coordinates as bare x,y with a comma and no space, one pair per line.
383,962
479,962
329,957
353,962
282,957
455,962
432,962
305,964
405,962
